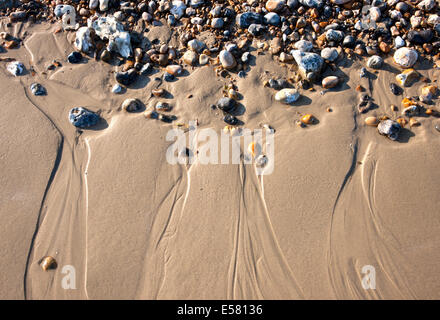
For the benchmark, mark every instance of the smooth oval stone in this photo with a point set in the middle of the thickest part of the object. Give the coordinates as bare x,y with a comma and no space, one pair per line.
330,82
274,5
405,57
371,121
227,60
174,69
131,105
287,95
82,118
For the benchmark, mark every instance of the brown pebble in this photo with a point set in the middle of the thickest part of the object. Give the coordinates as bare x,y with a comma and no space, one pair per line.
359,88
48,263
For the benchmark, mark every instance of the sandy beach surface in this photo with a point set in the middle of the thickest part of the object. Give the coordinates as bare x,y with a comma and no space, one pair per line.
105,202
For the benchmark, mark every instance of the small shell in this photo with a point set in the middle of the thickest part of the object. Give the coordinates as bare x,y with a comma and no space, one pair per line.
48,263
371,121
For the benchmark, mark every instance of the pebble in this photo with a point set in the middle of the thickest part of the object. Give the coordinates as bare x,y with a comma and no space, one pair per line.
226,104
83,40
330,54
117,88
190,57
74,57
395,89
106,56
37,89
126,78
275,5
16,68
389,128
334,35
174,69
217,23
131,105
163,106
256,29
230,119
196,45
309,64
303,45
83,118
287,96
48,263
158,92
405,57
227,60
375,62
399,42
308,119
375,13
244,20
330,82
203,59
272,18
178,9
371,121
407,77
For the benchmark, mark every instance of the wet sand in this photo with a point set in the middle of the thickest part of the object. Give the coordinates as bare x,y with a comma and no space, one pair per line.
107,202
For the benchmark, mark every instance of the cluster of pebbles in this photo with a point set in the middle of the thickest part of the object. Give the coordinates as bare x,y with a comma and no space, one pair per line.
308,36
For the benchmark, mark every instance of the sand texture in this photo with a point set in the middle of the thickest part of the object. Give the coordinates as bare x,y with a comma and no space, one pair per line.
106,201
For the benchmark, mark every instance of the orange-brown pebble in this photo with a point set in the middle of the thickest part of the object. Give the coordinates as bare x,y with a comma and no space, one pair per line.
308,119
48,263
402,121
372,121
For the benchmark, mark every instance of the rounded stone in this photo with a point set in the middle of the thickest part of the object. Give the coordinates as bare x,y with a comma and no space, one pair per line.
227,60
330,54
287,96
375,62
405,57
330,82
